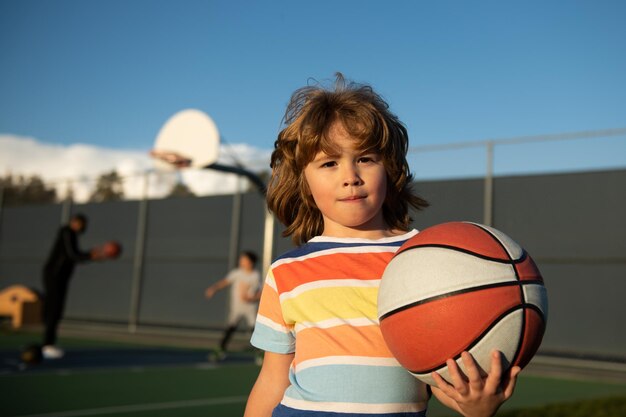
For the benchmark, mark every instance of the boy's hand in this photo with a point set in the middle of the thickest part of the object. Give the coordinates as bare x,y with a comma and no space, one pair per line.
97,254
476,394
210,292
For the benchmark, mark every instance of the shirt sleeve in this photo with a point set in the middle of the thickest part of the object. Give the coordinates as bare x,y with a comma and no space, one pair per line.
271,333
231,277
70,245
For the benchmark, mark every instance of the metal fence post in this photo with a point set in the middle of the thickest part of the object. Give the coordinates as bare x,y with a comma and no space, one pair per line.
1,210
488,190
268,241
138,262
66,208
235,227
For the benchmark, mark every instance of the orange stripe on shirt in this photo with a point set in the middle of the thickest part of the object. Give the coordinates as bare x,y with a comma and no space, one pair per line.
269,306
364,266
344,340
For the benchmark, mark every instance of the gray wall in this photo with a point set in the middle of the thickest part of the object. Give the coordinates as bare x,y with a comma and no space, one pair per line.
573,225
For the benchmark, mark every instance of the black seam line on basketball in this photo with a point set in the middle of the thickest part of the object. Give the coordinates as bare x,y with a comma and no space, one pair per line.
534,307
494,237
524,329
523,298
469,252
526,306
479,338
518,348
499,242
523,257
457,292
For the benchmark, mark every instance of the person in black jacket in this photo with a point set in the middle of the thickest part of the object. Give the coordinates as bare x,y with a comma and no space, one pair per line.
58,269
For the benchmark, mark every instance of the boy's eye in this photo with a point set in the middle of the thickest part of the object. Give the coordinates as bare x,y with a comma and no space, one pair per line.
367,158
328,164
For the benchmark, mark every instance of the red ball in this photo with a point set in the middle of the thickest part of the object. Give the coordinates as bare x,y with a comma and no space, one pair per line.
458,287
112,249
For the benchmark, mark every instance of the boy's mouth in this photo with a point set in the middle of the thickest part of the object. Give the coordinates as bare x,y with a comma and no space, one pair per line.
353,198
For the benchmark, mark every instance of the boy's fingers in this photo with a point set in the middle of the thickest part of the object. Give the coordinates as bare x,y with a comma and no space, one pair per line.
470,365
459,380
512,380
495,374
443,385
472,370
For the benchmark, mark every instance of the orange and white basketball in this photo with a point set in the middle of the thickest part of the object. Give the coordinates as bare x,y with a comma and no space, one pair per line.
457,287
112,249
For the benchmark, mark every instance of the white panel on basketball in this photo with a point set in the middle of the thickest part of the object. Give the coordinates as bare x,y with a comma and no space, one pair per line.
513,249
537,295
505,335
417,274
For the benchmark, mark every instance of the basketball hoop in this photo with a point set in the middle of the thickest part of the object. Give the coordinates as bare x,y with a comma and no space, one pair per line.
189,139
174,159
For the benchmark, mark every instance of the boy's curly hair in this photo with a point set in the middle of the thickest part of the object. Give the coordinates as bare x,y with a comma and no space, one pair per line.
310,114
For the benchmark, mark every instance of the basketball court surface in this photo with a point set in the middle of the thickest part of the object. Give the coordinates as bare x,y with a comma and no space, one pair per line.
129,379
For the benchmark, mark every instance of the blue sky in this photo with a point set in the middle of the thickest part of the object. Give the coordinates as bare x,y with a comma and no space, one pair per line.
110,73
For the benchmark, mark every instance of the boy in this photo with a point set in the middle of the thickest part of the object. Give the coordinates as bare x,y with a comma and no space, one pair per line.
342,186
57,271
244,295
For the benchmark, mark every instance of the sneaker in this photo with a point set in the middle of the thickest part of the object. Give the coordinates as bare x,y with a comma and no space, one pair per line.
216,355
52,352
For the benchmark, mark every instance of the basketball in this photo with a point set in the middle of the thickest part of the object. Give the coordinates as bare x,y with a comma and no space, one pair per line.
112,249
457,287
31,355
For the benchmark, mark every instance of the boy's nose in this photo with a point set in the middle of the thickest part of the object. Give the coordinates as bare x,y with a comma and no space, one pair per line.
351,177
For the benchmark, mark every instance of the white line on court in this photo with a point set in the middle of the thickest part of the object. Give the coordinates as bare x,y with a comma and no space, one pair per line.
140,407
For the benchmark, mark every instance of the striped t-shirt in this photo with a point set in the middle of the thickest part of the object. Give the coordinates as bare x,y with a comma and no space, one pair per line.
319,302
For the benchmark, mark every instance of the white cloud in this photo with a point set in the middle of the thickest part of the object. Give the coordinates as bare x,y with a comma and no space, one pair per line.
80,165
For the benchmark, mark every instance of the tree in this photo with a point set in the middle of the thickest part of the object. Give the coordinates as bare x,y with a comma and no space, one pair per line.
181,190
26,190
108,188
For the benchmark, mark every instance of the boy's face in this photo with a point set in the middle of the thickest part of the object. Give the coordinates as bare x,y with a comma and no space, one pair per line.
78,225
348,188
245,263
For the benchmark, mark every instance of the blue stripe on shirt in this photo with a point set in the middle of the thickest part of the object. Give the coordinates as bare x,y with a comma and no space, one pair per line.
312,247
268,339
392,384
282,411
